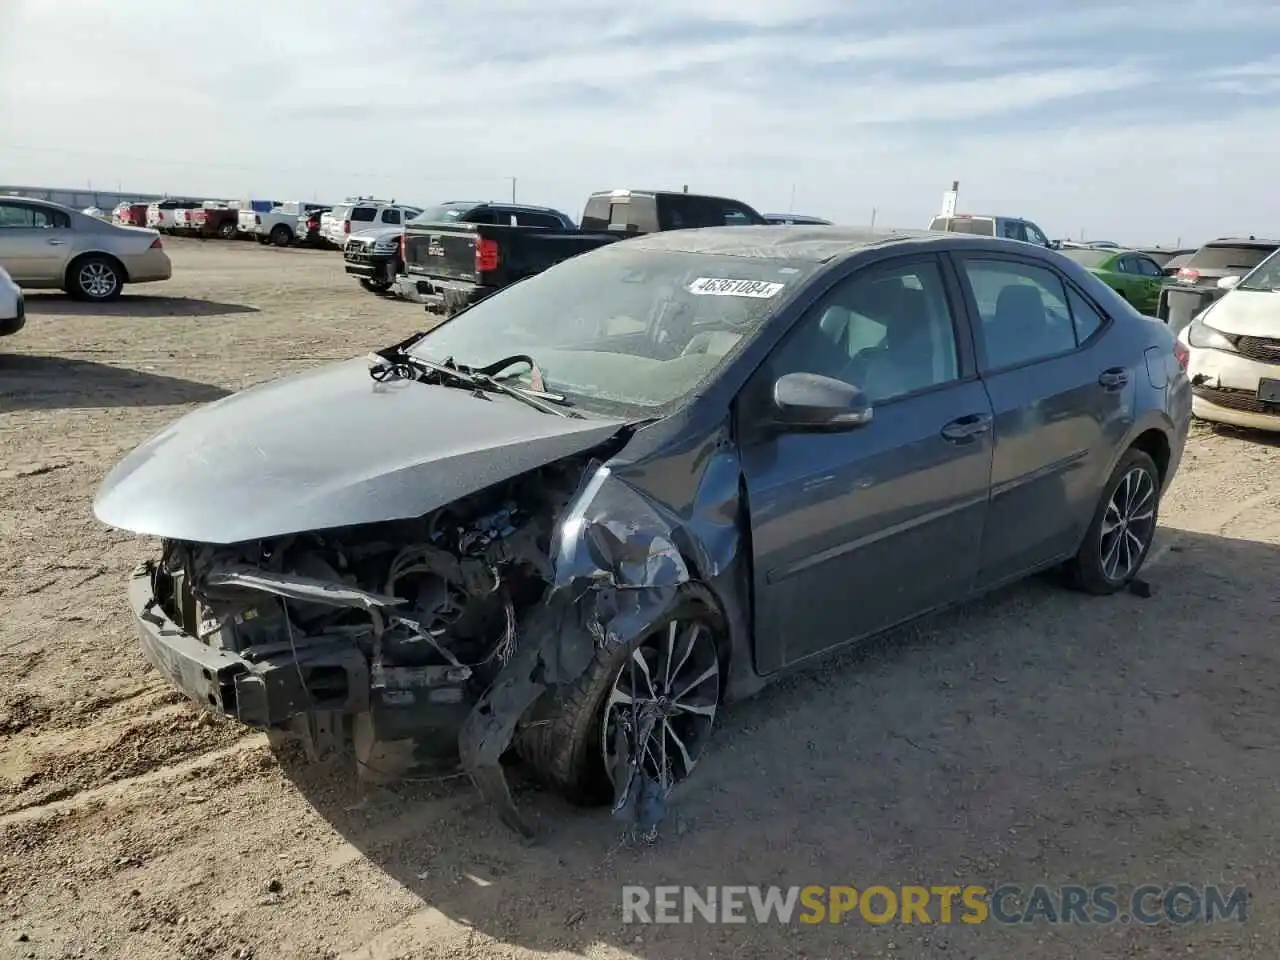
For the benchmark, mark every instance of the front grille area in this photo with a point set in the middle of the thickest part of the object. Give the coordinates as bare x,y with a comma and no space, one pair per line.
1262,349
1244,400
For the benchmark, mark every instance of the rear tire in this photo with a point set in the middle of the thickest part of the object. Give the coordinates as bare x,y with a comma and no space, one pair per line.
95,278
281,236
227,231
1123,528
565,742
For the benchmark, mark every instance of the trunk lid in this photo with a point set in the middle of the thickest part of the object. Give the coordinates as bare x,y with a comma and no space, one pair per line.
445,251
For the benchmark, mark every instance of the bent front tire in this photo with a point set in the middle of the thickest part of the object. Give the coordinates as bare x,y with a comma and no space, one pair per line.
580,736
1123,527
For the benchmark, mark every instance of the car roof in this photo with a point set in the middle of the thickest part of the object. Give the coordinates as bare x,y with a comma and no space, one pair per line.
816,244
626,192
532,208
1093,256
1242,242
49,204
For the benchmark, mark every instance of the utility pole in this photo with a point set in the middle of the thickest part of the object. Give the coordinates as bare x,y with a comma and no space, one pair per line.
873,218
513,188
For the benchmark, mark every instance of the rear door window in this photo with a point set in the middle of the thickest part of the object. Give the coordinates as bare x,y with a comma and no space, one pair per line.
22,217
1024,311
539,220
364,214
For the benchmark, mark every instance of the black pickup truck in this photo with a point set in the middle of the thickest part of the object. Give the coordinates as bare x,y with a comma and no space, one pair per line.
451,265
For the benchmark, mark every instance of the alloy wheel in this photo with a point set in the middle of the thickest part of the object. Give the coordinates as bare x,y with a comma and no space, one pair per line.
1128,525
662,704
98,280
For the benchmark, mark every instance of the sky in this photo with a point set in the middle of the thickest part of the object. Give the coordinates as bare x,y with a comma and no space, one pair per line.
1139,121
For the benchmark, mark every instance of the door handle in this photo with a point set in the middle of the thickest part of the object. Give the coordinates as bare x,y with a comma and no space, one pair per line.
967,428
56,243
1114,379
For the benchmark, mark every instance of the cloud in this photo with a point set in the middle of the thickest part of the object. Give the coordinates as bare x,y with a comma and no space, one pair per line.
1129,119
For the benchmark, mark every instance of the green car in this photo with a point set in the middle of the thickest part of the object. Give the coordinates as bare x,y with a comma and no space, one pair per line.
1133,275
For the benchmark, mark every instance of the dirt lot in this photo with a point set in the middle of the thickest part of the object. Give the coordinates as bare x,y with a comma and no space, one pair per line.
1038,736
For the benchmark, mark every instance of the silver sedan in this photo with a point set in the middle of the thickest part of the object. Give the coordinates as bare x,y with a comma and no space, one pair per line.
46,246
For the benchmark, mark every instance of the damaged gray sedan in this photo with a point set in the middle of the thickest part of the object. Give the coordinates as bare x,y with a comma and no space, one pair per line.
576,518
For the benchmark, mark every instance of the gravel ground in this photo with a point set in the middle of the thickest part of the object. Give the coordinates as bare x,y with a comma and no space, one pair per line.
1038,736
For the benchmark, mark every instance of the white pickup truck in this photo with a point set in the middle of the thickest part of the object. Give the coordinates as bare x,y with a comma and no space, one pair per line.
281,225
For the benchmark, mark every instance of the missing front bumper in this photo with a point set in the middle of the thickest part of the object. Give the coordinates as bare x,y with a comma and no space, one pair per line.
265,687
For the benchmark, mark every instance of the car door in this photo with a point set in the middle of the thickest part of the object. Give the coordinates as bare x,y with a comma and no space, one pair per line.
1013,230
1035,234
1061,405
35,243
1149,284
853,532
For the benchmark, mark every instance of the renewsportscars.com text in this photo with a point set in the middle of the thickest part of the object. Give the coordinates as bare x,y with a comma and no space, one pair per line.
1146,904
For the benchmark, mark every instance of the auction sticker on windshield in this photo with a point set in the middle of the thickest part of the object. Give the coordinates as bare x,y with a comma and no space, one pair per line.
725,287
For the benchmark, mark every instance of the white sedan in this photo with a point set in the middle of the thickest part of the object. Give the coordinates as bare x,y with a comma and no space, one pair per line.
1234,347
12,308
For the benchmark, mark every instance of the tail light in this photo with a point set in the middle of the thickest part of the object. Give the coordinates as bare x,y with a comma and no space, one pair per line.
156,244
346,226
404,246
257,220
1181,353
201,216
1189,275
486,254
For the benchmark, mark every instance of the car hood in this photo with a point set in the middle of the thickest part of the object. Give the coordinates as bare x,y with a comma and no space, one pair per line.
1247,313
329,448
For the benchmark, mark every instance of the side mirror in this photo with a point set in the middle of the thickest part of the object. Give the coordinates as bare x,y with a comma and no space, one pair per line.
1228,283
809,401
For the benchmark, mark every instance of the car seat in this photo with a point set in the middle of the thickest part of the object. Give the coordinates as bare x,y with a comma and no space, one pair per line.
1019,321
903,360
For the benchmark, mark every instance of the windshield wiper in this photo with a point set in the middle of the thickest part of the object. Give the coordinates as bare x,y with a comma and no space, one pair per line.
536,395
397,364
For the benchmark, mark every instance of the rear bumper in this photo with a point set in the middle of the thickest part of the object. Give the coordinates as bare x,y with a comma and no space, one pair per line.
149,267
263,689
445,297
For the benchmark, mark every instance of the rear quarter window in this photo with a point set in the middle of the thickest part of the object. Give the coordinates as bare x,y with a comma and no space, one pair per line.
340,212
364,214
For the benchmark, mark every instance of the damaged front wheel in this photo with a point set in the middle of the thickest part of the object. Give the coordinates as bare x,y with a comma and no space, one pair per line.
646,709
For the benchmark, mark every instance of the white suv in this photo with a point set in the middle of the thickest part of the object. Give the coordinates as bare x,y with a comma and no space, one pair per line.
352,216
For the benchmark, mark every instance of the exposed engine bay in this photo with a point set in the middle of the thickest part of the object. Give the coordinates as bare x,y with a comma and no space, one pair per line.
385,635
